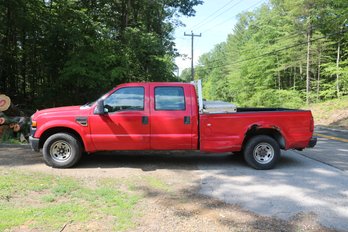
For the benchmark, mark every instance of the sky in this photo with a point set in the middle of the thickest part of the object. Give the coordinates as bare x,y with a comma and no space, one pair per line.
215,19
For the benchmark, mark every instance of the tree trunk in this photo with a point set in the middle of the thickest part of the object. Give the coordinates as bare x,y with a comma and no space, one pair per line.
7,107
128,12
318,77
294,78
278,73
309,35
24,63
12,127
337,66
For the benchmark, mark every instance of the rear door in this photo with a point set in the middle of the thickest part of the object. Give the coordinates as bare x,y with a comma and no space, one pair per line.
171,122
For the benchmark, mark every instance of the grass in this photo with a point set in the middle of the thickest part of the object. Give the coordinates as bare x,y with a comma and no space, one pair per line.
156,183
331,113
11,141
45,202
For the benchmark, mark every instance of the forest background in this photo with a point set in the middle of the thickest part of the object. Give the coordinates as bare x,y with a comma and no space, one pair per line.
285,53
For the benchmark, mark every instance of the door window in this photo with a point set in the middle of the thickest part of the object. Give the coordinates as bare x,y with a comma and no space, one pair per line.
130,98
169,98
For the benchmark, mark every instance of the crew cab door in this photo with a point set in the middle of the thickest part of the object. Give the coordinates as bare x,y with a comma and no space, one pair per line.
126,124
171,122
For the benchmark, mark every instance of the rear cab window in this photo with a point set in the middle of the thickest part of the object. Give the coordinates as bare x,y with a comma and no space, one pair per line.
170,98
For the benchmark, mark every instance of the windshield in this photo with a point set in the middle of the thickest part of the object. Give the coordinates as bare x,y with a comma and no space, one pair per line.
89,104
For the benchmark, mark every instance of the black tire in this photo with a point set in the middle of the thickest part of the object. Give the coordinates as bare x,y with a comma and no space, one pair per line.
262,152
237,153
62,150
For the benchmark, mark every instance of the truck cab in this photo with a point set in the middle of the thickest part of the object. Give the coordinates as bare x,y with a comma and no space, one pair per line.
146,116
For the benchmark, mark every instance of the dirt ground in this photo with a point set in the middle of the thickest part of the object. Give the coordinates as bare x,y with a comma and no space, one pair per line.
178,208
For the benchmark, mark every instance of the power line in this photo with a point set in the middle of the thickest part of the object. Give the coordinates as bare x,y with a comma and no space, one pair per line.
314,27
225,21
291,35
291,60
204,20
234,5
272,52
182,38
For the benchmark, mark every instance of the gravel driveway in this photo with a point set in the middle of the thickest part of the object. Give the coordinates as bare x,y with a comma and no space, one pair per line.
216,192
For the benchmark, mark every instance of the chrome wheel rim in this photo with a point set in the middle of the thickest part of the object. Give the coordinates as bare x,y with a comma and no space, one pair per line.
263,153
60,151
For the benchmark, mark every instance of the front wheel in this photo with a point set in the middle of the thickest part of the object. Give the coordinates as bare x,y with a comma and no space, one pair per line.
262,152
62,150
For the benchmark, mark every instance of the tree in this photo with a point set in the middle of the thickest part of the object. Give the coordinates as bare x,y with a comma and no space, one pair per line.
277,53
53,50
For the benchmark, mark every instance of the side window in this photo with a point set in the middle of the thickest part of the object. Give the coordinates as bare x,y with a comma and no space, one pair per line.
169,98
131,98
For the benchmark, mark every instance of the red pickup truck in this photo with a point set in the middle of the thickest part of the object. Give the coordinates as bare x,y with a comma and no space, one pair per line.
167,116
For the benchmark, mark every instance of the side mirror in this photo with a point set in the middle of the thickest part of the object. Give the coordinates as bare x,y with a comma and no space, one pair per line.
99,109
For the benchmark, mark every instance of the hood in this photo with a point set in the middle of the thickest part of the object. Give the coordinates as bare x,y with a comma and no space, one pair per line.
62,111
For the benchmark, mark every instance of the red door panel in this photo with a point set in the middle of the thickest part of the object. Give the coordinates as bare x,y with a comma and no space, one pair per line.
127,126
171,121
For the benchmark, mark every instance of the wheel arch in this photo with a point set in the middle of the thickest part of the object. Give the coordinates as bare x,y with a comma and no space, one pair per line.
54,130
272,131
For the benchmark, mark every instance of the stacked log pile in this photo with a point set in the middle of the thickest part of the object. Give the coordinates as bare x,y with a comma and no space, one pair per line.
13,123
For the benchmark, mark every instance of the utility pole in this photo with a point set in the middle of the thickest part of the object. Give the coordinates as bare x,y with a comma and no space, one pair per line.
192,36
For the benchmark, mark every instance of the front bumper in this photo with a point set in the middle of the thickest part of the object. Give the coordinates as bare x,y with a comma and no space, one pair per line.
312,142
34,143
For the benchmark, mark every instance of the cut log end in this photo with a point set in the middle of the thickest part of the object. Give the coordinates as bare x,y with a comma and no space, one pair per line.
15,127
5,102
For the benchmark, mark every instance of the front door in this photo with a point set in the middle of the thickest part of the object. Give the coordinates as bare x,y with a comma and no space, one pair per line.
171,122
126,124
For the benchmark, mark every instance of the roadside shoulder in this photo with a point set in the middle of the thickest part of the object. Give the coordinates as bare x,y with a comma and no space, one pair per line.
331,128
26,146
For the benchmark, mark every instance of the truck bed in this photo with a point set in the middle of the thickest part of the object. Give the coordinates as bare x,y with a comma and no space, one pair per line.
226,131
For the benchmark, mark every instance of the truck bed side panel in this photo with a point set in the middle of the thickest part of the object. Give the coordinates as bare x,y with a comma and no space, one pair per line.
226,132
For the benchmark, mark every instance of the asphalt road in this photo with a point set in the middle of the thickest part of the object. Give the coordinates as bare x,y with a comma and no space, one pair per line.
338,133
311,182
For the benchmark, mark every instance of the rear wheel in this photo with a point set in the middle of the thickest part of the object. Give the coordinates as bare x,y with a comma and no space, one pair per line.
62,150
237,153
262,152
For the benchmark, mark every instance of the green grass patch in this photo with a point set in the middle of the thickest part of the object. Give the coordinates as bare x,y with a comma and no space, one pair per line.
48,198
51,217
19,183
156,183
45,202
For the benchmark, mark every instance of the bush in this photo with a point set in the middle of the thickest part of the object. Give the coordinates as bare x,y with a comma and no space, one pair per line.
276,98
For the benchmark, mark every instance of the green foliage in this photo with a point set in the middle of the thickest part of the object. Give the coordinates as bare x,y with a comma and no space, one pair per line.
276,98
71,51
185,75
263,62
